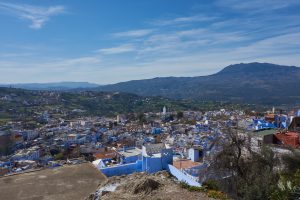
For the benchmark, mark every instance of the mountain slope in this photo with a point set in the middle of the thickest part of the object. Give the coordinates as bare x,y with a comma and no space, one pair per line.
245,83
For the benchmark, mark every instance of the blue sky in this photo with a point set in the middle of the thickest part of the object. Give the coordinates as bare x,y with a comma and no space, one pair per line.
108,41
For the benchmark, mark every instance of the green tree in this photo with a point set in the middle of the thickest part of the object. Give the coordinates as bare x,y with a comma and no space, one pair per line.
288,186
179,115
252,171
141,117
59,156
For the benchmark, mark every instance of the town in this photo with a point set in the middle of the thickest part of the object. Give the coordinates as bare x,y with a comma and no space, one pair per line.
150,100
180,142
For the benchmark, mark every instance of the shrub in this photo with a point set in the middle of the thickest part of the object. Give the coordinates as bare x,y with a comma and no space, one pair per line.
210,192
217,195
192,188
211,184
59,156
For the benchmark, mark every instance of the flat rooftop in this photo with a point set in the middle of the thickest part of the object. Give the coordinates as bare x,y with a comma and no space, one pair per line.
64,183
263,133
131,152
184,164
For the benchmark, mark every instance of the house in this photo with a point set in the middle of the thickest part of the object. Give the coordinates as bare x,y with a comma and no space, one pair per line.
156,157
30,135
262,137
291,137
107,154
194,154
152,158
32,153
295,125
261,124
130,155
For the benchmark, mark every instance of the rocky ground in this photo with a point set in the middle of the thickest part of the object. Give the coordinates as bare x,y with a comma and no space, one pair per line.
158,186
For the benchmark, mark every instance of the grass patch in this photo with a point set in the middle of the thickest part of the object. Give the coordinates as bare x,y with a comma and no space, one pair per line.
212,193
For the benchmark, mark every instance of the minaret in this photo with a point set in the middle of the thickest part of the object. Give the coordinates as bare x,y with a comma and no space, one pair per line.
164,110
273,110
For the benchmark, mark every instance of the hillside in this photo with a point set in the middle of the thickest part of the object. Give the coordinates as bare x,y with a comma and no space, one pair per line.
20,104
262,83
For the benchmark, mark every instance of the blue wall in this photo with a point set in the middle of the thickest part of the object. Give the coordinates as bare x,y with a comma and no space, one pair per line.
183,177
194,154
155,164
123,169
130,159
152,164
167,158
147,164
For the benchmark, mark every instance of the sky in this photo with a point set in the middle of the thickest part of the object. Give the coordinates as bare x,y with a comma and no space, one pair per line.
110,41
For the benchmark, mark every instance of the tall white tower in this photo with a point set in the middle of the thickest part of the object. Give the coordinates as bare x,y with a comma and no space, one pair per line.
164,110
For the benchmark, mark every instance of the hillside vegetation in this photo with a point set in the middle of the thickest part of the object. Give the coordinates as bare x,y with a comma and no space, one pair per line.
19,104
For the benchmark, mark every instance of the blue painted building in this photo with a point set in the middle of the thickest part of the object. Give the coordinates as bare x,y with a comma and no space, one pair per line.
156,157
261,124
195,154
153,158
156,131
130,155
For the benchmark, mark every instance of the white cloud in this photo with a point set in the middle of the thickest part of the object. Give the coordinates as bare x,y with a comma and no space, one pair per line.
183,20
75,62
117,50
37,15
257,5
134,33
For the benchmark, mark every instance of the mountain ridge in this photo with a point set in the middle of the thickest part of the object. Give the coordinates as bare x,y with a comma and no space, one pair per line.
254,83
242,83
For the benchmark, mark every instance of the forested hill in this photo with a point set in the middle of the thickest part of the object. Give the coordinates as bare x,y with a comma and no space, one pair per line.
261,83
28,105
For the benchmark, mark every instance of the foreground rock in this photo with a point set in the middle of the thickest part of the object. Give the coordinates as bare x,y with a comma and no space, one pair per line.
145,186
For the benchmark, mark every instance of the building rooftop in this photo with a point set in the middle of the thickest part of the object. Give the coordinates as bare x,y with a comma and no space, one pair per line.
107,154
131,152
289,138
154,148
184,164
67,183
263,133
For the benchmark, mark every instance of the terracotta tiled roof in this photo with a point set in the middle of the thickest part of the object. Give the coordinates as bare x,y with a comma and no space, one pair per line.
106,154
185,164
289,138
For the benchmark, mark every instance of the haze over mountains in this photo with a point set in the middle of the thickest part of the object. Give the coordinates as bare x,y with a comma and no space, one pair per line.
51,86
244,83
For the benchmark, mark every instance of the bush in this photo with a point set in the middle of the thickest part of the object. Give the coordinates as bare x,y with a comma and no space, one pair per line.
288,187
217,195
59,156
210,192
211,184
192,188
